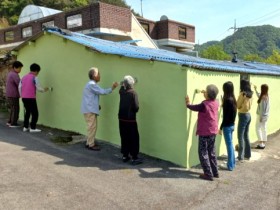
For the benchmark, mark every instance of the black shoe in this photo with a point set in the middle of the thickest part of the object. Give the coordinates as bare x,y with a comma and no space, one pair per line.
125,159
216,176
136,161
94,148
206,177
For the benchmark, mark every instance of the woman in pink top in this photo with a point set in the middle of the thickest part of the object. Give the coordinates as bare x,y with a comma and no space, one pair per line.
28,86
207,129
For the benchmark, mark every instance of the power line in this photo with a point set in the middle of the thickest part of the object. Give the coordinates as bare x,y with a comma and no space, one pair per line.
265,17
270,15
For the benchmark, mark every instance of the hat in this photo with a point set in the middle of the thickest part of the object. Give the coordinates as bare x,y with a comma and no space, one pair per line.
129,80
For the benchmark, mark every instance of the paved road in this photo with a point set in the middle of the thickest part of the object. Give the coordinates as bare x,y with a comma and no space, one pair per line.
39,174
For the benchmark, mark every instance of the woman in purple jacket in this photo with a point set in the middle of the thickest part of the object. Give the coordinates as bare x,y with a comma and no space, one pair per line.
207,129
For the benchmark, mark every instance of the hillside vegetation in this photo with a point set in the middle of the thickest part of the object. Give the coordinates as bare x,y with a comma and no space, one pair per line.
259,42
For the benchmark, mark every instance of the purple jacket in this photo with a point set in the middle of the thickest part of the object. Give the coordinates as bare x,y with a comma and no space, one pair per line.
207,123
28,86
12,85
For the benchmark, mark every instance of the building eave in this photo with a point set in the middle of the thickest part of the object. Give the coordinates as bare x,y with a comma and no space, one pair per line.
175,43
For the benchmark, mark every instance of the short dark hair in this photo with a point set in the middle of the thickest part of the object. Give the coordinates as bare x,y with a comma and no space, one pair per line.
35,67
17,64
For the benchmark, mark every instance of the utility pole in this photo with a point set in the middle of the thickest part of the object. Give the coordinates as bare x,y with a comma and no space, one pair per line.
234,59
141,8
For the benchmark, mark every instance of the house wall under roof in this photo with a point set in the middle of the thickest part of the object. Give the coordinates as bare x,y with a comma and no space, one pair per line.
167,128
65,66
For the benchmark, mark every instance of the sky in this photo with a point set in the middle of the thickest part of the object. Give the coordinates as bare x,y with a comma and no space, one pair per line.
213,19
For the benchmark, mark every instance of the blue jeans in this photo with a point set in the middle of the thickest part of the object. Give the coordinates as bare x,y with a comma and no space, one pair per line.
244,148
230,151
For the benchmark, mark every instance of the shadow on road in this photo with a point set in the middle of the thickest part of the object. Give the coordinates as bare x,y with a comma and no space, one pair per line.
76,155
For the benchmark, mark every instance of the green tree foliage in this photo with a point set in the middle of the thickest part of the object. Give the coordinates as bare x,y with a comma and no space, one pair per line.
253,40
253,57
3,23
215,52
274,58
11,9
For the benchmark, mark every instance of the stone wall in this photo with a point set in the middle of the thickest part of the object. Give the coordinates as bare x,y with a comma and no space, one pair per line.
5,65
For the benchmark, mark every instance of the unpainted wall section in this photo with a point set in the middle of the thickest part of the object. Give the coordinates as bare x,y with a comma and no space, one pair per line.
160,87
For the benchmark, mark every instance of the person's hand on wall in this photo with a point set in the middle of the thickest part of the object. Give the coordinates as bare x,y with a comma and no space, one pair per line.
187,100
46,89
115,84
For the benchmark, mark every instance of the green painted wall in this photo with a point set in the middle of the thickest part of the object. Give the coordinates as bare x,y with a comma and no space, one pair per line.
273,124
199,80
161,90
167,128
218,78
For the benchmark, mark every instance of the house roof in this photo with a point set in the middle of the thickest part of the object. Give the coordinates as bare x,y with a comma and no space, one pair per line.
127,50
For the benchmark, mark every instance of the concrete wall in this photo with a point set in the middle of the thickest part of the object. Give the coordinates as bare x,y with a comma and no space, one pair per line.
273,83
167,128
138,33
218,78
161,90
197,79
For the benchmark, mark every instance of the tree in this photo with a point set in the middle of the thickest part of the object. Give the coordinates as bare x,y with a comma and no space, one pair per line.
274,58
11,10
254,57
260,40
215,52
3,23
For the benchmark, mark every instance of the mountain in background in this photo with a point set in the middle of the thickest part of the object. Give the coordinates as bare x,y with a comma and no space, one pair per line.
259,40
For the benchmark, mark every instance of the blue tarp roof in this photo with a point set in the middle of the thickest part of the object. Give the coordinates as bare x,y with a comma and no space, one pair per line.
122,49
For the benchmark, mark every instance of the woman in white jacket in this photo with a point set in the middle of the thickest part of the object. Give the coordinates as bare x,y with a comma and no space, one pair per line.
262,115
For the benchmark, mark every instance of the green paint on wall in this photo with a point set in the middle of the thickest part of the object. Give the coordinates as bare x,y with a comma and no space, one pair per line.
167,129
161,90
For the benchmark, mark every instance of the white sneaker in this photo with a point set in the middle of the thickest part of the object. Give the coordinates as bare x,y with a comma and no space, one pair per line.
25,129
34,130
14,126
223,166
